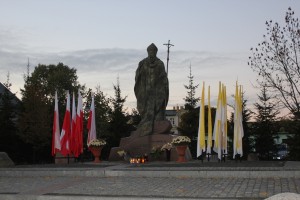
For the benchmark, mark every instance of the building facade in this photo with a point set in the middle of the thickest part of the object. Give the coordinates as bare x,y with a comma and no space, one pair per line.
174,117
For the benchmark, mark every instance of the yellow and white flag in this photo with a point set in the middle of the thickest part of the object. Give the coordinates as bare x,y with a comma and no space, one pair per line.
201,129
224,120
238,132
209,128
220,127
217,126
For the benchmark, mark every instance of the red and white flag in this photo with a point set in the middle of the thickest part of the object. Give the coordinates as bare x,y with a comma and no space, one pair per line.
91,122
66,130
73,127
55,132
79,128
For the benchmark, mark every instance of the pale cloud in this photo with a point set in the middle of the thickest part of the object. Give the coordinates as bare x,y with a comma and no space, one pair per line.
103,66
84,37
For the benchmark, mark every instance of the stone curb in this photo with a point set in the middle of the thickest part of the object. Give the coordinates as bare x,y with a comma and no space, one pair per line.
205,174
50,172
175,172
289,170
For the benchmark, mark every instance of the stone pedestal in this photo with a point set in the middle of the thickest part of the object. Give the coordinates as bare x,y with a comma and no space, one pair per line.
141,145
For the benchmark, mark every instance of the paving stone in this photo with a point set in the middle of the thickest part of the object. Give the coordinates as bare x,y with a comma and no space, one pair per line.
122,181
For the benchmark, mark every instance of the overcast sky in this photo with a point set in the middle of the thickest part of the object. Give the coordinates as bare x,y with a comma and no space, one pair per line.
107,39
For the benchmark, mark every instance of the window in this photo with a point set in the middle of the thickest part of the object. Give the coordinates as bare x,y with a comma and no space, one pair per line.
172,121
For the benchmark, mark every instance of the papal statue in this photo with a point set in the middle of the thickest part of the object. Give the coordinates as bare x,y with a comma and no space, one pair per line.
152,92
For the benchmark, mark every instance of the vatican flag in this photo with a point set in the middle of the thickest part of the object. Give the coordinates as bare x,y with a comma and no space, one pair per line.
201,129
238,132
209,128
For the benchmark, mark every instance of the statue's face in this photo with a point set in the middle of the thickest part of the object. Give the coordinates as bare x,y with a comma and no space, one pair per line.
151,53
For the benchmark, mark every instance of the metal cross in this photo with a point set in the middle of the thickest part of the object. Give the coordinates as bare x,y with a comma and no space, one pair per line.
169,45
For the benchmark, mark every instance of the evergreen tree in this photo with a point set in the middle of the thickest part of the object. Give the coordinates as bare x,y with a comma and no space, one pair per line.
9,110
38,106
248,141
102,110
292,126
265,126
102,118
119,126
190,100
135,119
189,121
119,118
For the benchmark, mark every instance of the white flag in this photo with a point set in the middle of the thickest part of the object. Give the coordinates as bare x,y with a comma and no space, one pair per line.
55,133
91,123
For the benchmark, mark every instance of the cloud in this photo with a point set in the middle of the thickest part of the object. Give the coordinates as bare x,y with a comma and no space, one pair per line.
103,66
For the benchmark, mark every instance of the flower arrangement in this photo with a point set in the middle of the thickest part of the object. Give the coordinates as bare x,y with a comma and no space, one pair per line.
125,155
168,146
121,153
97,143
181,140
156,151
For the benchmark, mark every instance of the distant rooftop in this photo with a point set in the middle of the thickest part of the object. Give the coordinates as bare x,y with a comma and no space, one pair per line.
3,89
171,112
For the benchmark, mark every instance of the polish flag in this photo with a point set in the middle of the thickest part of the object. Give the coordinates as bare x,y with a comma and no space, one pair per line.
79,128
73,127
55,132
91,122
66,130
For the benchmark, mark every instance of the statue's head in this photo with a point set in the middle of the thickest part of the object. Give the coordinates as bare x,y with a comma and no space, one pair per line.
152,50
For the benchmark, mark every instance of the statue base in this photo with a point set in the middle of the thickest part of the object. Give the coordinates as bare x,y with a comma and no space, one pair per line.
138,144
159,127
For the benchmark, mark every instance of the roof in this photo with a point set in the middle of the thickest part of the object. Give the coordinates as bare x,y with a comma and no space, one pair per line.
15,98
171,112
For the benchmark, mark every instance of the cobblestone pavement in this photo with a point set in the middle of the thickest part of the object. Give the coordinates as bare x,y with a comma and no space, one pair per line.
151,181
188,188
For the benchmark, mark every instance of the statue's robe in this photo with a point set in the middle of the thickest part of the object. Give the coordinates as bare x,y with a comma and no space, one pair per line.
152,92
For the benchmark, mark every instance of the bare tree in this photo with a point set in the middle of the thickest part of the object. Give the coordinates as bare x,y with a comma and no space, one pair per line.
276,60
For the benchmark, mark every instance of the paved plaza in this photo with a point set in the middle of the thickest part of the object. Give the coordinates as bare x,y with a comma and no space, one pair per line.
155,180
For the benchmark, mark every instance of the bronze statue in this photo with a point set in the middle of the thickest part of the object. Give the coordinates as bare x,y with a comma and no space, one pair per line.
152,91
